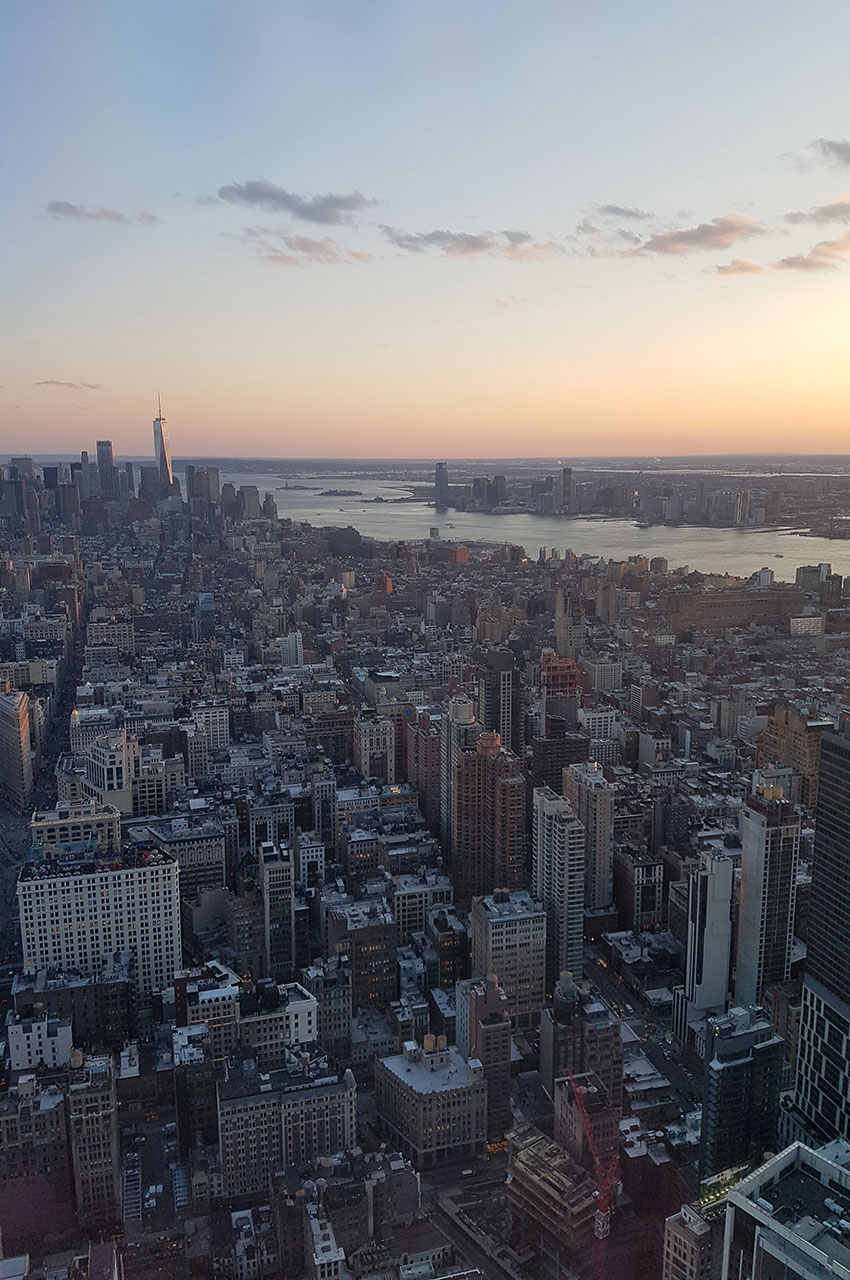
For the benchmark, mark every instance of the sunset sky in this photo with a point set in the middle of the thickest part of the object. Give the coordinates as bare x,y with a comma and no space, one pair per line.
422,229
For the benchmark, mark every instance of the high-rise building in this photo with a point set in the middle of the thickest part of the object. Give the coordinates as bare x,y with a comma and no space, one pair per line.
368,935
16,780
75,915
578,1033
162,453
277,886
569,624
95,1143
558,871
743,1074
488,835
500,702
484,1032
789,1218
558,688
431,1105
693,1246
793,737
375,748
459,731
709,942
441,486
509,940
770,846
130,473
592,799
107,471
823,1062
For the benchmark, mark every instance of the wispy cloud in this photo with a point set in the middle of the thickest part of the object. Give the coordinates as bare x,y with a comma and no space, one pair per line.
837,150
622,211
69,386
284,249
65,211
330,209
739,267
837,210
510,301
827,255
719,233
520,246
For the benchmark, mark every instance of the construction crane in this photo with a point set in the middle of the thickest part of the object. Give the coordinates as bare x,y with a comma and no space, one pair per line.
607,1177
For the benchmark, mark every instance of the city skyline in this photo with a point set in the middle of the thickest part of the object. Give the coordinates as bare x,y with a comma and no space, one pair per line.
402,233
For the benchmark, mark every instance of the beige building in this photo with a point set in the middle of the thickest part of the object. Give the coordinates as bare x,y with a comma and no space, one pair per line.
432,1103
270,1121
57,830
16,778
693,1249
509,940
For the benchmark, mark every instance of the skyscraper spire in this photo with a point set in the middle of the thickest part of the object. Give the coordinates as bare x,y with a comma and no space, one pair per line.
162,449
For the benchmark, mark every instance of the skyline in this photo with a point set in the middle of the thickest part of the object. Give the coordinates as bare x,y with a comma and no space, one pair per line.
600,235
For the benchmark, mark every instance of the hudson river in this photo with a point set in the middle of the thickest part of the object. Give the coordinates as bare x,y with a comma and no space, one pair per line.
732,551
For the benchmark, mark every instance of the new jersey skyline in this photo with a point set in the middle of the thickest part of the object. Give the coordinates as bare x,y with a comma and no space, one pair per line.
398,231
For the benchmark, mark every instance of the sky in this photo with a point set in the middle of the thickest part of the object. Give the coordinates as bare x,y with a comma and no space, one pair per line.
416,228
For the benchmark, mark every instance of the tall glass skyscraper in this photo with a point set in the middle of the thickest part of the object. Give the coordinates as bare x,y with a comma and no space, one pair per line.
162,452
823,1064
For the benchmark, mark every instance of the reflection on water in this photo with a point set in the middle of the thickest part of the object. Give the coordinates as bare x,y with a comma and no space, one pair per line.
732,551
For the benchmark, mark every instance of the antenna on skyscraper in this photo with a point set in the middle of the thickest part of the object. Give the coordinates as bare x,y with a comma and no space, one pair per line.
159,406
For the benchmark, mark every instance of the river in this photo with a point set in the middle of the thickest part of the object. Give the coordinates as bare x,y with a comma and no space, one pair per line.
734,551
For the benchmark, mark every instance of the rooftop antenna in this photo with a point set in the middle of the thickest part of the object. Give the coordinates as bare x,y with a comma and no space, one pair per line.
159,406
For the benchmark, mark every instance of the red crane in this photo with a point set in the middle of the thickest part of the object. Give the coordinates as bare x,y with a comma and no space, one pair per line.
607,1176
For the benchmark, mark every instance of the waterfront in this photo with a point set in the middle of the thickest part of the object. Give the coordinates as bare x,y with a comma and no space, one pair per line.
734,551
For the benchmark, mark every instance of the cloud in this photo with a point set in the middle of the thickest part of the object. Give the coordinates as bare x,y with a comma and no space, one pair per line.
520,246
285,249
65,211
332,210
510,301
835,149
719,233
70,386
622,211
827,255
739,267
837,210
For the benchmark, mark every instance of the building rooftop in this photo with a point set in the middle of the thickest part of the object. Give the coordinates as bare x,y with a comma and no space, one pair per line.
440,1071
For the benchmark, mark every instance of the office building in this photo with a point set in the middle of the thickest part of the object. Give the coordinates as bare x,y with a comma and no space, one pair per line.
95,1142
558,872
558,688
790,1218
509,941
459,731
741,1082
74,915
570,1124
488,835
501,708
68,827
793,736
375,749
329,981
107,471
16,775
569,624
693,1246
823,1062
162,454
483,1032
431,1103
592,800
277,888
441,486
270,1121
708,951
367,933
580,1033
770,847
101,1007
